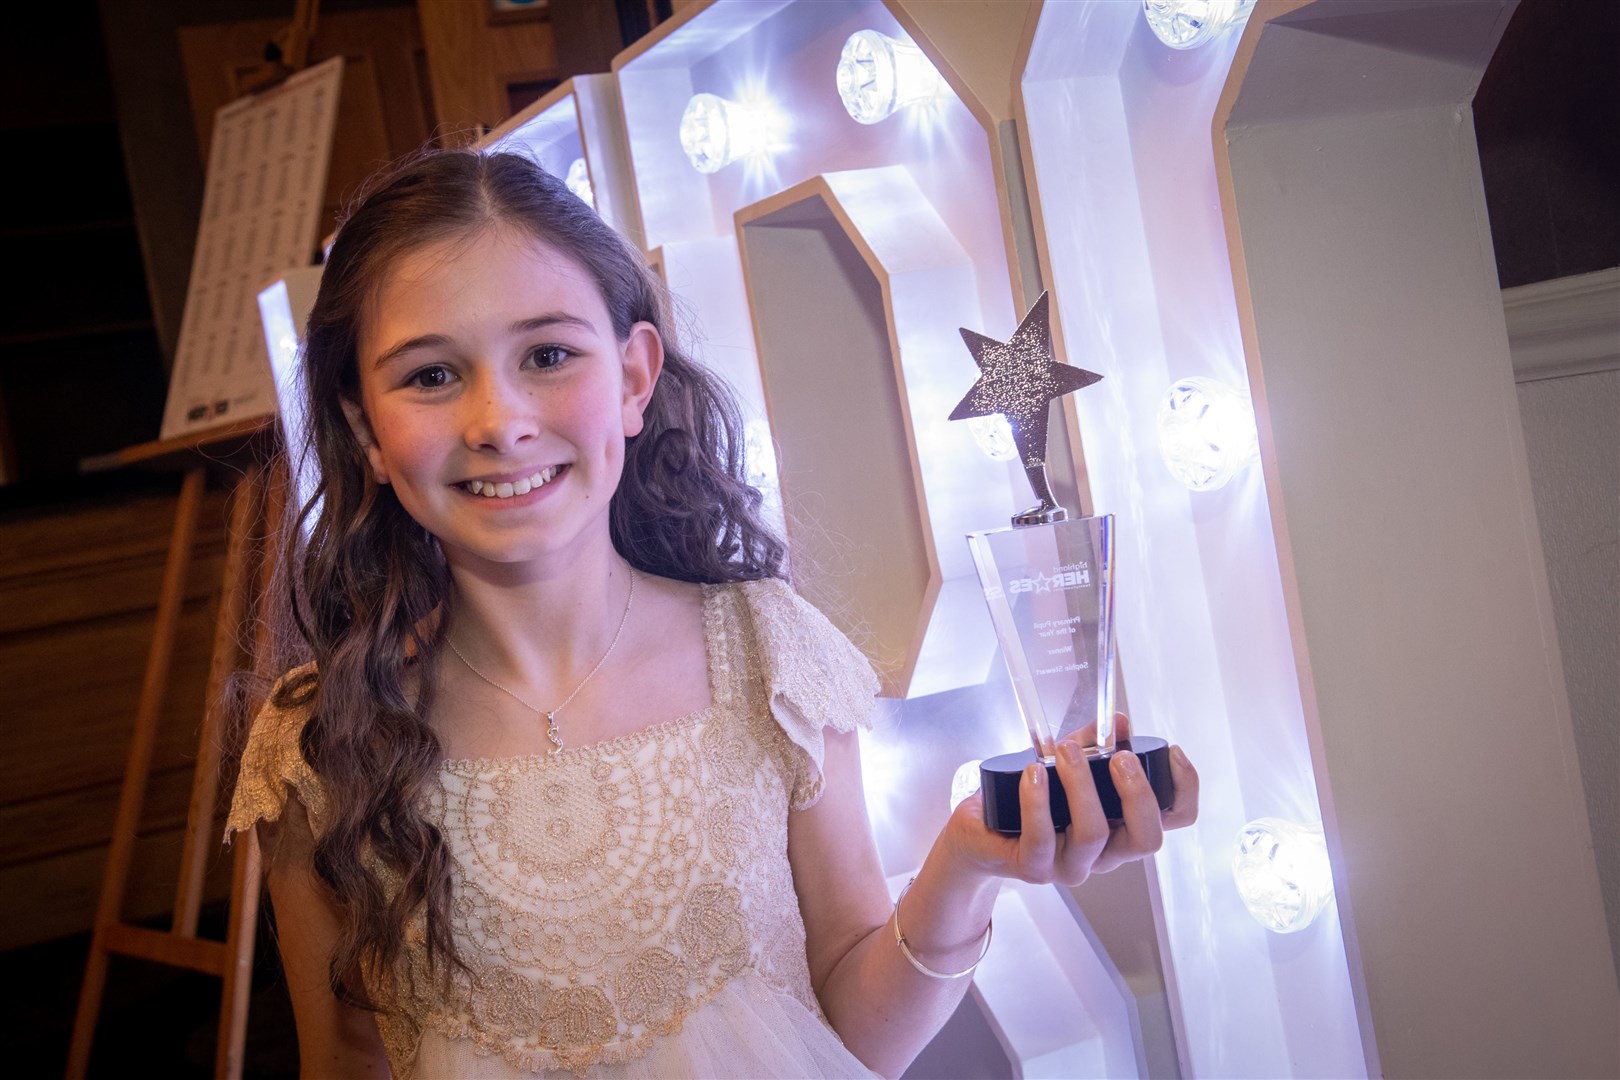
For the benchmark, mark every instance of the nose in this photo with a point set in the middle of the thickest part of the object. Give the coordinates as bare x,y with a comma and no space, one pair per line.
499,415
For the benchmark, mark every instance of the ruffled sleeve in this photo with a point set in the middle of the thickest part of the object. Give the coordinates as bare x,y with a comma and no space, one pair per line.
273,764
814,678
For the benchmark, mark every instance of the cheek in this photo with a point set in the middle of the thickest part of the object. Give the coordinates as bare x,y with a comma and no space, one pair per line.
406,451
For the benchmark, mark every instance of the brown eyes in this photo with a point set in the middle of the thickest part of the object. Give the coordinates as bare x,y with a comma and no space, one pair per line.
429,378
546,356
438,376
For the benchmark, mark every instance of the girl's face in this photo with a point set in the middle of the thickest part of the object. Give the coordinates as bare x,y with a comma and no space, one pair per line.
495,398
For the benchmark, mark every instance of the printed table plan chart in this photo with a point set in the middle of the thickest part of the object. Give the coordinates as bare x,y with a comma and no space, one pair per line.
261,212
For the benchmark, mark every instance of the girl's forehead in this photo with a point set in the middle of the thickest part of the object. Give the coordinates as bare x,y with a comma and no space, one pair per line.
496,255
493,273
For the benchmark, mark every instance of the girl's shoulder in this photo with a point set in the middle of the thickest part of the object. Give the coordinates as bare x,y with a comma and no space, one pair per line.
273,764
810,674
780,617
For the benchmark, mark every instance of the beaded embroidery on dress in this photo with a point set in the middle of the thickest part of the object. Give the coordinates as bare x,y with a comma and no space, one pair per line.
627,908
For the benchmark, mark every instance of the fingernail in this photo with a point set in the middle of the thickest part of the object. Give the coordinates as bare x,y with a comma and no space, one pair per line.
1071,752
1128,764
1034,773
1180,758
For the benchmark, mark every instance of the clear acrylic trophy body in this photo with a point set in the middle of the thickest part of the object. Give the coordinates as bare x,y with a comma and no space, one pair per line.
1049,582
1049,588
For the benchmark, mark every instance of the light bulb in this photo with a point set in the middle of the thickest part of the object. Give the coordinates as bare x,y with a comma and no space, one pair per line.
1206,433
1283,873
759,457
878,74
1186,24
965,782
995,437
579,182
715,132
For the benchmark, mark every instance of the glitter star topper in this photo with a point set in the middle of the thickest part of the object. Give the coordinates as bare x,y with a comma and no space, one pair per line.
1020,378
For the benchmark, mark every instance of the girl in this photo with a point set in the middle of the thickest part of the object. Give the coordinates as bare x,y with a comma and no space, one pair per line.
572,782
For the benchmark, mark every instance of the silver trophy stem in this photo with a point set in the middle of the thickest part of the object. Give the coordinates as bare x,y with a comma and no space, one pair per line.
1047,511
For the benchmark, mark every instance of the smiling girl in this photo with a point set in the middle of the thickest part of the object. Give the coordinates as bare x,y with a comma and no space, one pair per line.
572,780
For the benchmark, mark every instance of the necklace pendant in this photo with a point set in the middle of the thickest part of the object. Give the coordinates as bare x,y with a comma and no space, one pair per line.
552,733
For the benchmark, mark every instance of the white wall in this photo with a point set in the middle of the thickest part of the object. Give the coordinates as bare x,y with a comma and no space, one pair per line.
1572,439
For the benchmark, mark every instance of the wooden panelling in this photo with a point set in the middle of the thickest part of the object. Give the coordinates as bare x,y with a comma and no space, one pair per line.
83,815
52,897
77,595
474,62
384,109
69,567
69,697
43,541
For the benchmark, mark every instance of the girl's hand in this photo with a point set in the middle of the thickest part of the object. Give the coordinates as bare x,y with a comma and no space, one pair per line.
1090,844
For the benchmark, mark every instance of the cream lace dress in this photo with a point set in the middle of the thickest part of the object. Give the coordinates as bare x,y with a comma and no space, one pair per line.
627,909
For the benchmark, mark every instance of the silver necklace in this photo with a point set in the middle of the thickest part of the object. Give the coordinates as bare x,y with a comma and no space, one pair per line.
551,714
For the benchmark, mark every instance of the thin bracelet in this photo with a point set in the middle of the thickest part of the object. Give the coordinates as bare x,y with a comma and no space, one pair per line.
905,950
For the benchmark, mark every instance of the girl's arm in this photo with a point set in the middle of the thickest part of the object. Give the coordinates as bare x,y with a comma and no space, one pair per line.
884,1009
334,1039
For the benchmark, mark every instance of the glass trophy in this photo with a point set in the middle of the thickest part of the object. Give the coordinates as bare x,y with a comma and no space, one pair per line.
1049,584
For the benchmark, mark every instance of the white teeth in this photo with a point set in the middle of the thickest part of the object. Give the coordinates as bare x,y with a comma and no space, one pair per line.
491,490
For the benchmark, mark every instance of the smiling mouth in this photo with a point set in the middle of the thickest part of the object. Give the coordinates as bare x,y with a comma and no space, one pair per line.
490,490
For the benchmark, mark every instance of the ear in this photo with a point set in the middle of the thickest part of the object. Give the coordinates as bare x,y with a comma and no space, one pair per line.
643,363
355,415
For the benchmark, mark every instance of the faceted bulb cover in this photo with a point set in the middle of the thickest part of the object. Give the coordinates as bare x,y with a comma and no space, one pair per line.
878,74
1187,24
965,782
759,456
1206,433
1282,873
995,437
715,132
704,133
579,182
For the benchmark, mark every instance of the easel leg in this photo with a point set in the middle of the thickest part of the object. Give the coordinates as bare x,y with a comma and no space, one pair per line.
247,872
127,823
233,1012
201,841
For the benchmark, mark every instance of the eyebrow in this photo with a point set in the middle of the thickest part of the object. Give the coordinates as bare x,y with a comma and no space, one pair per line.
522,326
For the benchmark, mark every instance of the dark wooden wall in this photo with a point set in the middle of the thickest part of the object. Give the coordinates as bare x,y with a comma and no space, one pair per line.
78,589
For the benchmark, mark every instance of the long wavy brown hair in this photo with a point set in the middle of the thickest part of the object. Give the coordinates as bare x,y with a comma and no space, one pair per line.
370,591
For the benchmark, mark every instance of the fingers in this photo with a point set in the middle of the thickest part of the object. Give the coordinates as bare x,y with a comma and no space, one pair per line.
1038,841
1088,829
1140,832
1139,806
1185,809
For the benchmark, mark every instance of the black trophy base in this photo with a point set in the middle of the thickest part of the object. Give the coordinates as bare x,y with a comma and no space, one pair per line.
999,777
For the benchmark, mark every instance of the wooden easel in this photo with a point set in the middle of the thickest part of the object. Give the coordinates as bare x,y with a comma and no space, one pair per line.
258,497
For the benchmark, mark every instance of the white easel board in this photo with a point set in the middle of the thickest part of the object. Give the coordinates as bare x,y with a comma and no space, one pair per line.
261,214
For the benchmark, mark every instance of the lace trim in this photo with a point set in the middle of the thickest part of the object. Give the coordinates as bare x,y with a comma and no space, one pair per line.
273,762
813,678
579,1008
